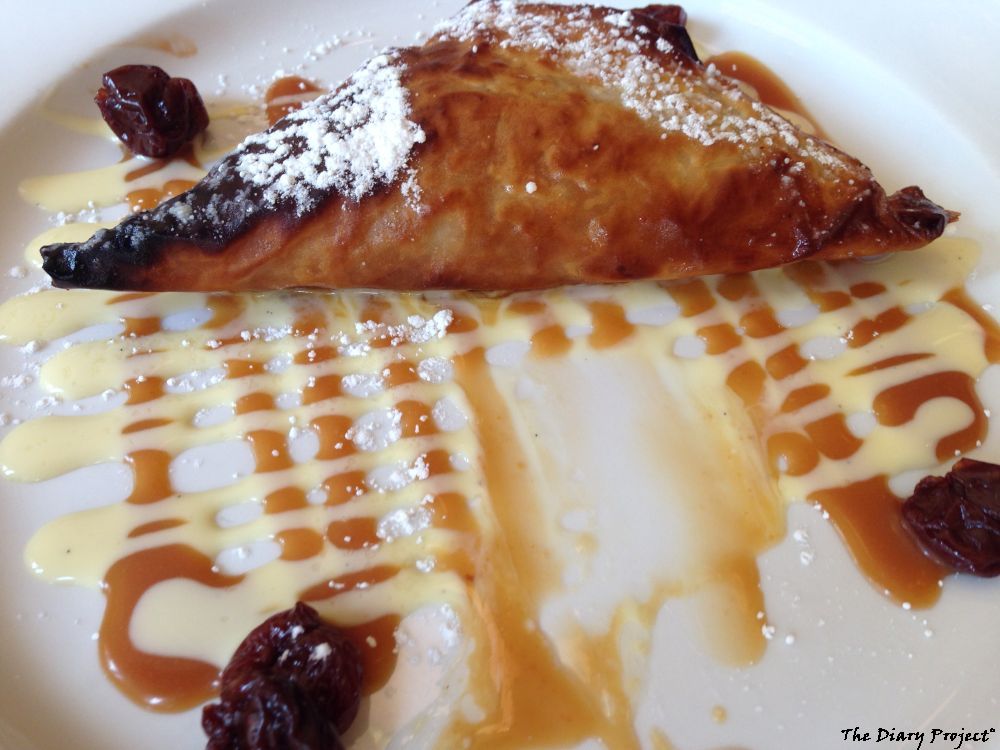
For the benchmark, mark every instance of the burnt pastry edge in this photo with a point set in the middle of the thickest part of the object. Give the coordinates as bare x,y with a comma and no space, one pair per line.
225,205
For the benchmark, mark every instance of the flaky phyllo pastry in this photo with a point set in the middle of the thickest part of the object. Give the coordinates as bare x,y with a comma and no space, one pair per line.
522,146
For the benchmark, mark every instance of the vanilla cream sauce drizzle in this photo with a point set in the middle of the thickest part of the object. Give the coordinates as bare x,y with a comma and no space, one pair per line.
778,386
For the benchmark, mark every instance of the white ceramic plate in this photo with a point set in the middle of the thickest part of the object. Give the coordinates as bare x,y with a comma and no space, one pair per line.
908,87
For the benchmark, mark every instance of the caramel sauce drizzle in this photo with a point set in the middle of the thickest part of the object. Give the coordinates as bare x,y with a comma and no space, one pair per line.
146,199
535,699
288,94
991,329
154,526
768,87
162,682
898,405
376,641
493,557
867,515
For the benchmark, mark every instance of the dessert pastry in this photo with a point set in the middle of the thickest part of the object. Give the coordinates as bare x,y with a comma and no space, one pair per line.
523,146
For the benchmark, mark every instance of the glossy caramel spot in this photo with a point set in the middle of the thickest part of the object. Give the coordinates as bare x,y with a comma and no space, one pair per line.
270,450
353,533
438,462
332,433
786,362
761,323
866,289
416,420
252,402
462,323
225,308
128,297
792,453
719,338
400,373
310,319
802,397
143,389
832,437
151,476
299,544
147,199
807,274
321,389
693,297
890,362
869,518
341,488
145,424
136,327
376,642
747,381
869,329
610,325
315,356
550,341
243,368
737,286
284,500
154,526
830,301
451,511
527,307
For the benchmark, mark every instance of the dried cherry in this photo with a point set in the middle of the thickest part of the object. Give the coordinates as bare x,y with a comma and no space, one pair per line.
668,22
152,113
294,682
956,517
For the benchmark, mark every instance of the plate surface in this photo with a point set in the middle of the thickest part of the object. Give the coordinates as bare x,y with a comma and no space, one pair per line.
902,99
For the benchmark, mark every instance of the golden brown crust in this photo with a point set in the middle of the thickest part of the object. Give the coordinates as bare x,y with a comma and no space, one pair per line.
536,170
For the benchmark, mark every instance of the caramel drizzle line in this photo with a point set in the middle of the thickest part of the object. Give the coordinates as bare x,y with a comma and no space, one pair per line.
866,513
165,683
140,675
570,688
991,328
694,301
799,453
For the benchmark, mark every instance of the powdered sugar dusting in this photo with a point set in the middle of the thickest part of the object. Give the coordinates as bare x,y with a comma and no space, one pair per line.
652,78
350,141
347,143
376,430
416,329
403,522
